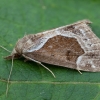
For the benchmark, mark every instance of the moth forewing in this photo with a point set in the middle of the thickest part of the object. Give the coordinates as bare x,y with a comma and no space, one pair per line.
73,46
68,46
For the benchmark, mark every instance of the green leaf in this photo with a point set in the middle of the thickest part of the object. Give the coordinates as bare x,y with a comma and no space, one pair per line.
30,81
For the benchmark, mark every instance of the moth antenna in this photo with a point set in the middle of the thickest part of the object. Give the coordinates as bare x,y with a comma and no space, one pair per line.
40,64
9,76
79,71
4,48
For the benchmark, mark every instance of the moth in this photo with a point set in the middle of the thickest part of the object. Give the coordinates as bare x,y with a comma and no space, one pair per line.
73,46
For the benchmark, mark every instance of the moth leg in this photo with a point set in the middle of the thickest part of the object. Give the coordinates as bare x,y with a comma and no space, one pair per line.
79,71
39,63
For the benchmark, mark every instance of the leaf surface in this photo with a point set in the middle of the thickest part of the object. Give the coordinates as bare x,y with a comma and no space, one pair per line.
30,81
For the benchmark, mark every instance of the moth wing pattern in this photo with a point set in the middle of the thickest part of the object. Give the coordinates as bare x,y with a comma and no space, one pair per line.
73,46
59,52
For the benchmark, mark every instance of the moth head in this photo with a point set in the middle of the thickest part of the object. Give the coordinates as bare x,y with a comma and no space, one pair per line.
14,55
18,49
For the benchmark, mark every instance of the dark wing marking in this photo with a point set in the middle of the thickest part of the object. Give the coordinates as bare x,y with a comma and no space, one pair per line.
59,50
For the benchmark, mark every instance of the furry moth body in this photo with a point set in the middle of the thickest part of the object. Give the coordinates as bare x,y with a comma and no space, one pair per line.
73,46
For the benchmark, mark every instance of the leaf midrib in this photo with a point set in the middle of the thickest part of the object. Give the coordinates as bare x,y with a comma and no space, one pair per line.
49,82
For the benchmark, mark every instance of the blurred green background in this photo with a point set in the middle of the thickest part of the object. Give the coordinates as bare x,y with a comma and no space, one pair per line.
30,81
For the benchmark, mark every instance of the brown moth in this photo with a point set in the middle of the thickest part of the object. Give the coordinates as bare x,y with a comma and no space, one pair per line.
73,46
